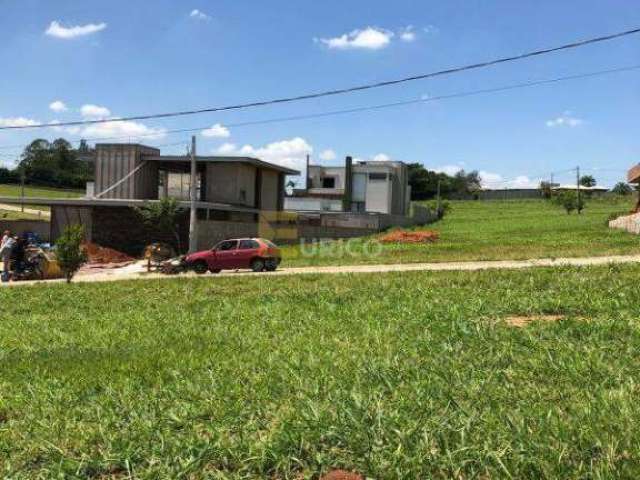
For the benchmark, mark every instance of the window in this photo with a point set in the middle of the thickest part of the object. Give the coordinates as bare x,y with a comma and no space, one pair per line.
248,244
269,243
227,245
377,177
243,195
329,182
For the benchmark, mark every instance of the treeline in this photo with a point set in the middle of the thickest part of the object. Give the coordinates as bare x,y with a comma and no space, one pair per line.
424,183
51,164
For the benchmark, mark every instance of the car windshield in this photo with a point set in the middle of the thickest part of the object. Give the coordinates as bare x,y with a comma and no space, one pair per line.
227,245
269,243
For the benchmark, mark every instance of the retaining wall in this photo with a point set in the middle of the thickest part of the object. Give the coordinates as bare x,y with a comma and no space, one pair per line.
630,223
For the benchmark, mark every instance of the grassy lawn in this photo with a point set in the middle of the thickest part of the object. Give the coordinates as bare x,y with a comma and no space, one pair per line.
39,192
493,230
35,192
11,215
288,377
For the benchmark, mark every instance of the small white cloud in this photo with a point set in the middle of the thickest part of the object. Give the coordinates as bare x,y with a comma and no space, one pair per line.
199,15
408,34
495,181
381,157
448,169
370,38
327,155
57,30
290,153
430,29
17,122
58,106
216,131
564,120
94,111
226,148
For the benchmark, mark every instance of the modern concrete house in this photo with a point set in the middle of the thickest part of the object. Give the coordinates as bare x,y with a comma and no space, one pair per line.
232,193
363,187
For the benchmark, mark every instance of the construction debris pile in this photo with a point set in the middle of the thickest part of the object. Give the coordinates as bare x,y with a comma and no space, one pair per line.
103,255
404,236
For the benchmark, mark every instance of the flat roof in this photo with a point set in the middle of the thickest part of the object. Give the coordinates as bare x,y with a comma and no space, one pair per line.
221,159
115,202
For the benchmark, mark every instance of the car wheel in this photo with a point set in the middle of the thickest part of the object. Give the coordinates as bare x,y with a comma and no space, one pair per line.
200,268
257,265
271,265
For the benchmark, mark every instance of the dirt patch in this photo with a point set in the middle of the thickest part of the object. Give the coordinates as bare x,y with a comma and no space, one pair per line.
103,255
404,236
342,475
524,320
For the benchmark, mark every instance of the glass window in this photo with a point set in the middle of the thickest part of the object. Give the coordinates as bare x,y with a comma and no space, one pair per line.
328,182
248,244
269,243
227,245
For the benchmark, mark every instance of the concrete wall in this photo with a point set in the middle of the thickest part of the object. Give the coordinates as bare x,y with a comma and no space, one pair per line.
378,197
40,227
115,161
64,216
630,223
269,192
226,181
212,232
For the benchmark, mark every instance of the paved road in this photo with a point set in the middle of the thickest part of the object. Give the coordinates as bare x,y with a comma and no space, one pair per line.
138,271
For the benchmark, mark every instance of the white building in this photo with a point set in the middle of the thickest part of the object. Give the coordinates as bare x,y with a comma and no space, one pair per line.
366,186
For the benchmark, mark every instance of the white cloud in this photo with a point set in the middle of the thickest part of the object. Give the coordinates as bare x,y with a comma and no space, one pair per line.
56,29
199,15
226,149
448,169
408,34
58,106
73,130
565,120
290,153
216,131
370,38
327,155
17,122
94,111
123,129
381,157
430,29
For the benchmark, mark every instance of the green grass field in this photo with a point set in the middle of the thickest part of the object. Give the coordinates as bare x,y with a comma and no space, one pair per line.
412,375
39,192
492,230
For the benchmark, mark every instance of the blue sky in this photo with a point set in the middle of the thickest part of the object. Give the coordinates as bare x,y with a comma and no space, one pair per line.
93,59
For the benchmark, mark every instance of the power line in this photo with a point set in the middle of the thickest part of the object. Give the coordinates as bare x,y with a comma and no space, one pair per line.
342,91
361,109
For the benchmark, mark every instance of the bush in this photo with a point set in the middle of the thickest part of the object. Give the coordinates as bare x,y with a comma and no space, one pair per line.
569,201
445,207
69,251
622,188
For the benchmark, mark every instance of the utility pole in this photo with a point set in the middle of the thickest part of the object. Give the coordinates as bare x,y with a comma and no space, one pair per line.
193,219
22,180
439,200
578,188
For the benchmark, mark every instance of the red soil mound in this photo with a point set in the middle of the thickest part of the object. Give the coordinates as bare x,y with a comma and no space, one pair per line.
98,254
403,236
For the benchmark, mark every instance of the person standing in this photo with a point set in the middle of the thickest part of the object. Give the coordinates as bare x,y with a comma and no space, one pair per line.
5,254
5,237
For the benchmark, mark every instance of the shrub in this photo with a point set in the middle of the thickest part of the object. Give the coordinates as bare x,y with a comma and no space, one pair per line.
622,188
569,201
69,251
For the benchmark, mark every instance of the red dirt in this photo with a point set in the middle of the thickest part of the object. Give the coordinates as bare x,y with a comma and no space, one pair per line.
98,254
403,236
342,475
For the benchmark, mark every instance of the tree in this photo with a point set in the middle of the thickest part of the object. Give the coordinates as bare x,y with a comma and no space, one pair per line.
569,201
424,183
622,188
69,251
163,216
587,181
53,164
547,189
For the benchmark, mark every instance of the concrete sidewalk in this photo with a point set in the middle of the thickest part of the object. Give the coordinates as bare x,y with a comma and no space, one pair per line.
137,271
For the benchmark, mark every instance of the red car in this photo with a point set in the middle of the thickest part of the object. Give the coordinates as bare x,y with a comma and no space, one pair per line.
257,254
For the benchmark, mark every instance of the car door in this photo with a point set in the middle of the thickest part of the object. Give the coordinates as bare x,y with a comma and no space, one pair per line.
226,255
247,250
